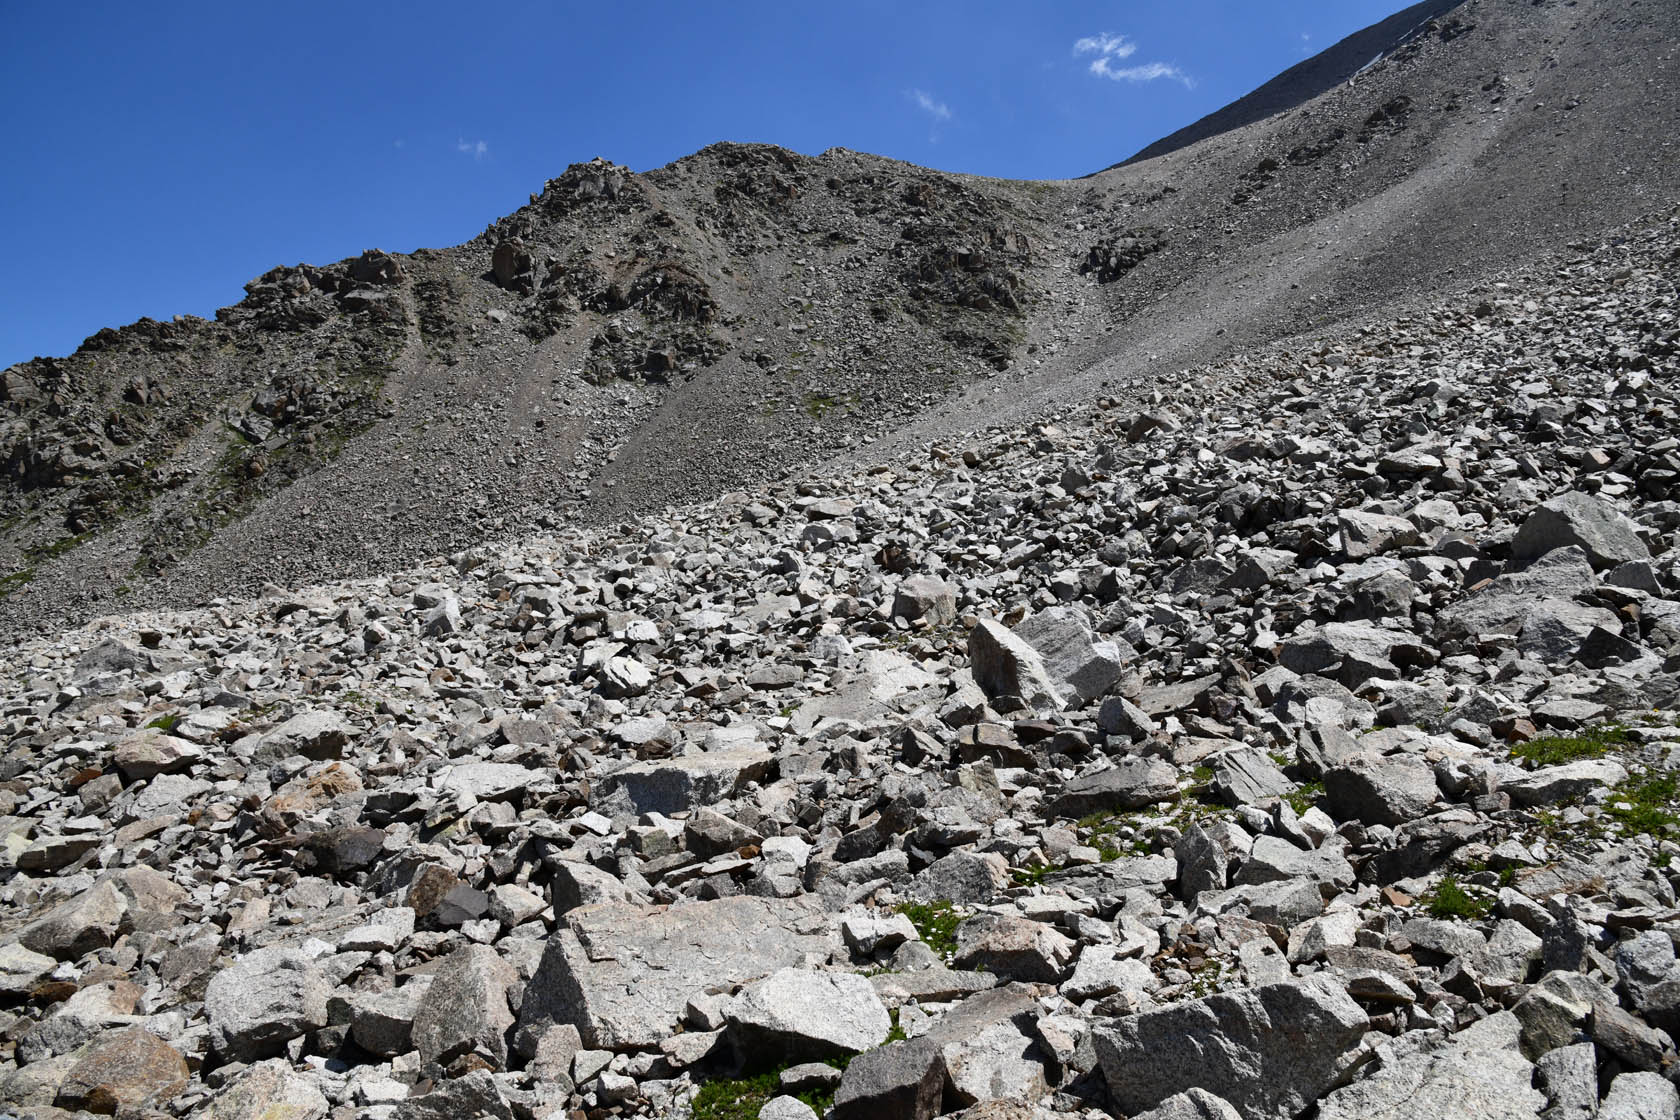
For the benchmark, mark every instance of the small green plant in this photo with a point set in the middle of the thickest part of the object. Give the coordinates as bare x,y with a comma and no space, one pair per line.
1449,900
1204,981
935,922
17,579
1305,797
1646,804
166,723
1552,750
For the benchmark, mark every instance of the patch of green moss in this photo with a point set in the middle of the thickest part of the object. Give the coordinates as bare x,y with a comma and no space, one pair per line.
16,580
59,547
165,723
936,924
1553,750
819,405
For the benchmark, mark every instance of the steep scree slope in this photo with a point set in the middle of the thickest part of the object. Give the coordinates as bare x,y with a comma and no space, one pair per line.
629,340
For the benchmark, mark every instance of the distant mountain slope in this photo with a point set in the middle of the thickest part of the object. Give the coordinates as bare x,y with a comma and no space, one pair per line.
1306,80
629,340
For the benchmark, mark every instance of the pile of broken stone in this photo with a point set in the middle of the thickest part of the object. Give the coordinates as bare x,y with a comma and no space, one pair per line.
1161,759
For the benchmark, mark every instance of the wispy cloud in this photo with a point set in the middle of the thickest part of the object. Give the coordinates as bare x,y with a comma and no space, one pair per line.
477,149
1110,49
1106,46
1148,72
925,101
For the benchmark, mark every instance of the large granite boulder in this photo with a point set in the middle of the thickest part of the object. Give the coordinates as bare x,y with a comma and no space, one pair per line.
1270,1051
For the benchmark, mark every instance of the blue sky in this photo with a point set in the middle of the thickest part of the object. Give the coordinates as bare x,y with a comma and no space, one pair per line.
161,155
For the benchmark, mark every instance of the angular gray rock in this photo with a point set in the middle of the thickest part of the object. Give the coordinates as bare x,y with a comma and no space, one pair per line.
961,877
923,597
904,1080
1551,784
1387,789
265,999
1269,1051
1583,521
1273,859
677,785
1131,783
1003,664
1568,1076
1480,1072
1639,1096
465,1010
80,925
1193,1104
1202,863
1014,948
1365,534
798,1013
1079,666
623,975
1248,777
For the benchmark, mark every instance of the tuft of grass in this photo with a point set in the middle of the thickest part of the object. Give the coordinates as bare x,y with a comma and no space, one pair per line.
1553,750
936,924
735,1098
1647,804
166,723
1449,900
740,1098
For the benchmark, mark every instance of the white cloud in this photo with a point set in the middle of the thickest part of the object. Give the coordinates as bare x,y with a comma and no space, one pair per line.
1110,48
477,149
938,110
1106,45
1148,72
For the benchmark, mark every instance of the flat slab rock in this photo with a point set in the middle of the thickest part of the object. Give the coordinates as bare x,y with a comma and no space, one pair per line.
624,974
